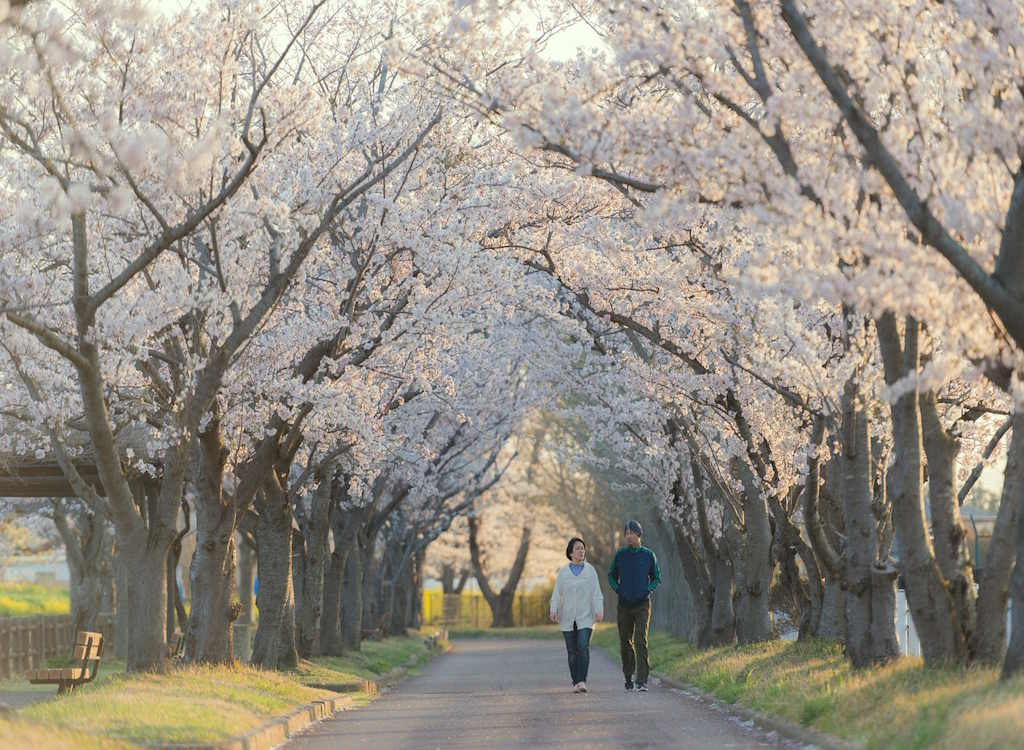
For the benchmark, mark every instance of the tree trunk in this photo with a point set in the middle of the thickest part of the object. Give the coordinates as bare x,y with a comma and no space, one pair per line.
142,599
1013,493
832,625
950,538
174,605
935,617
449,584
120,613
501,602
352,598
274,643
871,592
315,534
753,571
416,592
994,587
212,572
344,529
371,571
246,579
330,619
85,542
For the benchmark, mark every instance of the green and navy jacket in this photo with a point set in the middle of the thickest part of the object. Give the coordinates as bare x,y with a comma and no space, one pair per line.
633,575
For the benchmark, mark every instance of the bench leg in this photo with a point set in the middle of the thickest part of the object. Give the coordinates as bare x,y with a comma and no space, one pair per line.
65,688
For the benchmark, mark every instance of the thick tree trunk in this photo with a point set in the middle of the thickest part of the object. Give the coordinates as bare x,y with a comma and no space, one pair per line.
352,598
274,643
120,613
344,529
723,616
871,593
1013,493
330,619
950,538
212,572
503,609
935,616
832,625
753,570
318,527
994,587
371,572
142,599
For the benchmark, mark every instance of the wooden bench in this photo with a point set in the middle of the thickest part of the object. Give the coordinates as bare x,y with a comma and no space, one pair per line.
88,651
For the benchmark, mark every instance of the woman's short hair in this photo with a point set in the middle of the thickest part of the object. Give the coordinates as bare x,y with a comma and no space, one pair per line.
572,543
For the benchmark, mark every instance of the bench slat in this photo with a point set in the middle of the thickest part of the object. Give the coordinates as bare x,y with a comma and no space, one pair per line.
86,652
85,635
54,674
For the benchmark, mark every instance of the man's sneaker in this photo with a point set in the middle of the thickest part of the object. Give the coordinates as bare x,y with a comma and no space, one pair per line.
576,688
629,686
581,688
641,687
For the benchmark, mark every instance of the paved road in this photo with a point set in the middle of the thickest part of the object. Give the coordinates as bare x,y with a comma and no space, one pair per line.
505,694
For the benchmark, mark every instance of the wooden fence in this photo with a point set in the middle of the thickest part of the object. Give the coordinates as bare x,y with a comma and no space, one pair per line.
27,642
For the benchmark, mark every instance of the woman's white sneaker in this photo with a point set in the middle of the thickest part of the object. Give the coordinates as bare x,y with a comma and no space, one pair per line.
582,687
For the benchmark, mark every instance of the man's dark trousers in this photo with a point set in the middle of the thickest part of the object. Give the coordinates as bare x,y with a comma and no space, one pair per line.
633,624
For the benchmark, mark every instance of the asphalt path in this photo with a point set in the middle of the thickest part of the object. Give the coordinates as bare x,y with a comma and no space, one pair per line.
506,694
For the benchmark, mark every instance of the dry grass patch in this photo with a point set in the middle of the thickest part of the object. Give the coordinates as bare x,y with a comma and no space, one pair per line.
192,704
25,735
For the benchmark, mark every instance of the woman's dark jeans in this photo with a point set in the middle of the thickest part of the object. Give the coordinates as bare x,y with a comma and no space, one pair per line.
577,644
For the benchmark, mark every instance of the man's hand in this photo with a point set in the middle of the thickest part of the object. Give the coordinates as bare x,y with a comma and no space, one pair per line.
554,617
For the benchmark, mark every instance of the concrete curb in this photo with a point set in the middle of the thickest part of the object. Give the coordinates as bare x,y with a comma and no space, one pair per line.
782,727
277,731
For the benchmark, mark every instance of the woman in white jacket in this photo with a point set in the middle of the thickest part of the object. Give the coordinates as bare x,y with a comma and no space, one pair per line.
576,604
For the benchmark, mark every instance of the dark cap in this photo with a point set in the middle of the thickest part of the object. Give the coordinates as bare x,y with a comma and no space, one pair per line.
633,525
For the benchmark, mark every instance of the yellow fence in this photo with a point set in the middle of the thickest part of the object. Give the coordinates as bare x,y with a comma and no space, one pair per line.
469,609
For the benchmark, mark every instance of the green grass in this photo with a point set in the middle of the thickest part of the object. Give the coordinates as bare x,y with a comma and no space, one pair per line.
902,706
31,599
200,704
374,659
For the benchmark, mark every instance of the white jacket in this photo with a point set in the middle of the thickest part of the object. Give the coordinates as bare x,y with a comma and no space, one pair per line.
577,598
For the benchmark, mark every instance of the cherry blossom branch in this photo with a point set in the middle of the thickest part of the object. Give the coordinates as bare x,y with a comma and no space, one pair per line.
980,466
989,288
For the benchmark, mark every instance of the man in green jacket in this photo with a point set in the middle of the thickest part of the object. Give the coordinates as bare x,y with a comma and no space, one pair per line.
634,575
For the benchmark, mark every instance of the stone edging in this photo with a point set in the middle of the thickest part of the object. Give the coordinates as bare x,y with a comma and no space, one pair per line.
780,726
277,731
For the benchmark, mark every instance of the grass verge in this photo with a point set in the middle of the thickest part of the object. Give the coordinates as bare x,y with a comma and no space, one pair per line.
902,706
198,704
